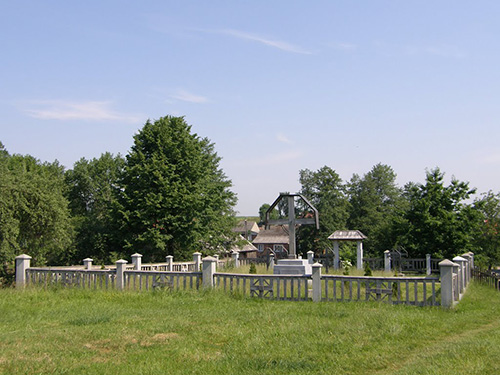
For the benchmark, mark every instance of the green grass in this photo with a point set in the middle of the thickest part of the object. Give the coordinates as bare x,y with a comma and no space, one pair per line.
107,332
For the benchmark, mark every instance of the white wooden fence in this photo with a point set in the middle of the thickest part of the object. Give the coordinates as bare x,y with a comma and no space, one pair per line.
421,291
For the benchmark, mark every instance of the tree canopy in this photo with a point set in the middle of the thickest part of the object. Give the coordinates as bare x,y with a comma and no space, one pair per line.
175,199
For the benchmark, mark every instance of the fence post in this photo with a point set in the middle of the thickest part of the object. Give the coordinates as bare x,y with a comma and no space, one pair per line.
209,268
468,266
359,253
462,279
446,275
387,261
170,262
316,281
197,261
22,264
120,275
216,256
428,264
310,257
236,258
137,261
87,263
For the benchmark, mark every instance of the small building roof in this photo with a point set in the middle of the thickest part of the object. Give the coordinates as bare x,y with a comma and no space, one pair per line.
244,247
274,235
347,235
245,226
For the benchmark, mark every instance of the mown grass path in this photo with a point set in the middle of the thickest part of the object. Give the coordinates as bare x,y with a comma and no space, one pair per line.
85,332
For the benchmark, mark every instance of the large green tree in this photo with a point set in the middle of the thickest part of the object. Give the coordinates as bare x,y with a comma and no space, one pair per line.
92,189
375,202
326,191
175,198
34,215
488,239
439,220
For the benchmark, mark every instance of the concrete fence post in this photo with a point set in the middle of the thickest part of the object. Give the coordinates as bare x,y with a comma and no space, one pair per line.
170,262
387,261
310,257
271,261
87,263
216,263
446,275
209,268
235,256
22,264
461,272
137,261
316,281
468,267
428,264
197,261
120,274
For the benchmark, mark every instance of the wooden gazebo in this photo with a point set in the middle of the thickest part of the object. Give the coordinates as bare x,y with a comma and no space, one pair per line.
347,235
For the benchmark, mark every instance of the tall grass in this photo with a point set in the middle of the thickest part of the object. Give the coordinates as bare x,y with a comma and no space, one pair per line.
209,332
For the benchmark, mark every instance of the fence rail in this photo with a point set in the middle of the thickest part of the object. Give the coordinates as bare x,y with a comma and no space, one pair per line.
103,279
148,280
486,277
280,287
420,291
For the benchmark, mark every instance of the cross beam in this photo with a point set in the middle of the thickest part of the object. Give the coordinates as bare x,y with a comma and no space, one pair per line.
292,220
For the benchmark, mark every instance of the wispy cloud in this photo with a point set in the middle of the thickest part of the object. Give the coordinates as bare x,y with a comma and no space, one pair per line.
280,137
271,42
189,97
70,110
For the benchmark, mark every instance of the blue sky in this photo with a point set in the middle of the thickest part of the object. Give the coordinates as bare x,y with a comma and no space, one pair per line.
278,86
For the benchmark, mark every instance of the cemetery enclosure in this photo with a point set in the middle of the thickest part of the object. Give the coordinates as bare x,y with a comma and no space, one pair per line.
445,290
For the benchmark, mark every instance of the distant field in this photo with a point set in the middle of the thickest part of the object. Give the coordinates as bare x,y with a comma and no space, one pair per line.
85,332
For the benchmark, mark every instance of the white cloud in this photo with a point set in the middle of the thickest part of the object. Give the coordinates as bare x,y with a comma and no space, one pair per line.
189,97
280,137
281,45
68,110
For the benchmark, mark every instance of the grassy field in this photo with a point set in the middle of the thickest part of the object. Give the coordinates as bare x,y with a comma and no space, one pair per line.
108,332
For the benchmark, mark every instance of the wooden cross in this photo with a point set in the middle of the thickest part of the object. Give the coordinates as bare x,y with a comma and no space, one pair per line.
292,220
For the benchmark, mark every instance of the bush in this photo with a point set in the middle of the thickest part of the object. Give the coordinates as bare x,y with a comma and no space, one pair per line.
253,268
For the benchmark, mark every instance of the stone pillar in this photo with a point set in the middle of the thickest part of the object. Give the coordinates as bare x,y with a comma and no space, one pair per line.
197,261
292,253
22,264
446,275
137,261
87,264
387,261
360,255
461,272
209,268
310,257
120,274
316,281
468,268
336,255
428,264
235,256
216,263
170,262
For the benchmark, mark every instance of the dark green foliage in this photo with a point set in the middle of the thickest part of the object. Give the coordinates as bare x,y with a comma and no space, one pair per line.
438,221
175,199
487,241
375,202
253,268
368,270
274,215
34,217
92,191
326,191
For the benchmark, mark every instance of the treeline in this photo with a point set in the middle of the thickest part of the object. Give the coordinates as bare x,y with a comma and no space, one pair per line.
167,196
429,218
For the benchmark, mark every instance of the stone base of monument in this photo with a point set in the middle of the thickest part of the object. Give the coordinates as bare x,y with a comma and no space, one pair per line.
293,267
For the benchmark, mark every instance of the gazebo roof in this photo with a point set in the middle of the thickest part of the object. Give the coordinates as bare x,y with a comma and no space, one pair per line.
347,235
